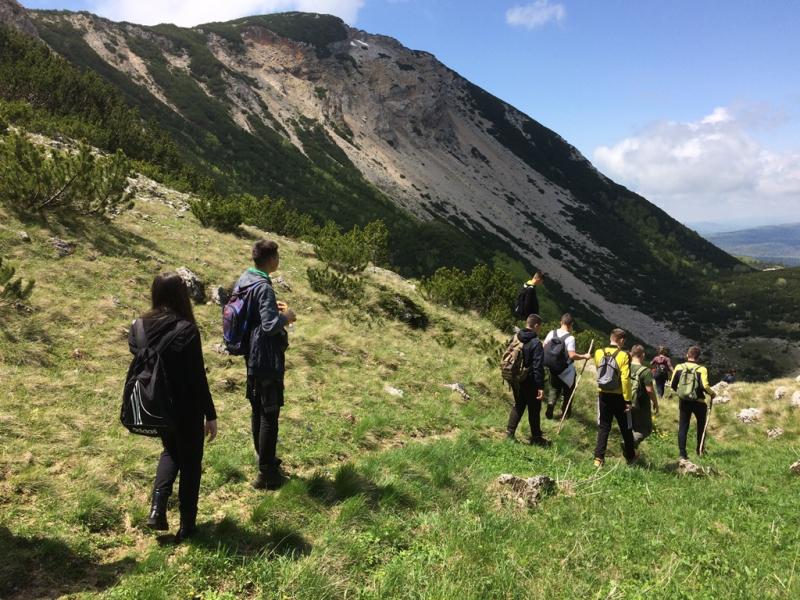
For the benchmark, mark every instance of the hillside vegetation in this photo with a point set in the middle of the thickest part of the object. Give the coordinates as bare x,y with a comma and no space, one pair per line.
390,496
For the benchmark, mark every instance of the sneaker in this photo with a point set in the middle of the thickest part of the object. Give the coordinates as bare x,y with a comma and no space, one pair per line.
548,413
539,440
599,462
633,460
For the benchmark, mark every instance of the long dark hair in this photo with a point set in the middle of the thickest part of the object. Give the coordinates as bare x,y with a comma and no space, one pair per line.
169,294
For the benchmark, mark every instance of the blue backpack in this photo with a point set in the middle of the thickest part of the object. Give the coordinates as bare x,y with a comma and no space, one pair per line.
237,318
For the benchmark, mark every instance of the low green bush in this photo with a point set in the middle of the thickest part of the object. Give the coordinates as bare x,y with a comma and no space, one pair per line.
37,179
336,285
350,252
223,214
402,308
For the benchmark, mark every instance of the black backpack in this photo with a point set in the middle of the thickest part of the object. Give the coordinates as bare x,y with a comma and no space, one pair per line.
146,400
518,307
555,353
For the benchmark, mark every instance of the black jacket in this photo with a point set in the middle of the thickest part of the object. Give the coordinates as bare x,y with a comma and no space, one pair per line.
532,358
527,302
268,338
184,365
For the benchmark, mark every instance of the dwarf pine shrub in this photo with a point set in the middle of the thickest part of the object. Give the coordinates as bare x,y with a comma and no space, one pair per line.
350,252
36,179
336,285
217,212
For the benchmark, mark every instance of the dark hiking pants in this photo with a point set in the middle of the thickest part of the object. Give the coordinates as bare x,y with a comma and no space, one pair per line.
609,407
660,385
266,400
559,389
525,397
183,453
688,408
642,417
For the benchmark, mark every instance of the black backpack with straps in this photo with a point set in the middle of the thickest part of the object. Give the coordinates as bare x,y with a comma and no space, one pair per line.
555,352
147,401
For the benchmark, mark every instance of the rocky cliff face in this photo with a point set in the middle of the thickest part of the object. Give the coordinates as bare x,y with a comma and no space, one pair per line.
14,15
433,143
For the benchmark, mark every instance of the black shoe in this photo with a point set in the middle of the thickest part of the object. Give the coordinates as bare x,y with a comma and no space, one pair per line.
259,483
185,531
158,511
548,413
539,440
269,482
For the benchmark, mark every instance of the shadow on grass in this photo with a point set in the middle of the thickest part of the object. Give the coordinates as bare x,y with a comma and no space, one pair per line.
229,536
27,339
348,482
39,567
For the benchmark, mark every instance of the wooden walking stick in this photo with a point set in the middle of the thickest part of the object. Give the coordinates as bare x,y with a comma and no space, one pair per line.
575,389
703,437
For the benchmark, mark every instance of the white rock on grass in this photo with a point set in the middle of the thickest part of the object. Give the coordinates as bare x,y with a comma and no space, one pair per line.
749,415
722,398
458,388
797,379
795,468
526,493
774,432
719,387
393,391
687,467
195,286
780,393
220,295
795,401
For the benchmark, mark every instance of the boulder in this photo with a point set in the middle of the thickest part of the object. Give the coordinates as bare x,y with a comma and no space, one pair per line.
219,348
687,467
774,432
719,387
281,282
458,388
795,401
393,391
63,247
525,493
780,393
749,415
795,468
24,236
195,286
723,398
220,295
797,379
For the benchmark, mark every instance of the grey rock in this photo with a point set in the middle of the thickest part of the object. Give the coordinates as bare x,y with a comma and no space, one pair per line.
220,295
525,493
23,235
393,391
749,415
723,398
719,387
774,432
687,467
63,247
219,348
795,468
458,388
195,286
281,282
780,393
795,401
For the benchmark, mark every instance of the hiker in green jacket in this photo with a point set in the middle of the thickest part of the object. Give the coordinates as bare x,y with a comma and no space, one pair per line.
643,394
690,381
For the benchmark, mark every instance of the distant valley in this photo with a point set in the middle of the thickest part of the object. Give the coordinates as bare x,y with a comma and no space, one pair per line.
772,244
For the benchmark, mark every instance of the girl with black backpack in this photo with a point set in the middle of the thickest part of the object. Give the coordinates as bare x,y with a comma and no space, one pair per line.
170,327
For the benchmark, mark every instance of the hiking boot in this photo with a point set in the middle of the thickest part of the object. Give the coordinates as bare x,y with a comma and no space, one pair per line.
632,460
539,440
158,511
269,482
511,437
185,531
599,462
548,413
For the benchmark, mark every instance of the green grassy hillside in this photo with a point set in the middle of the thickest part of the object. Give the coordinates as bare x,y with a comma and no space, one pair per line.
390,497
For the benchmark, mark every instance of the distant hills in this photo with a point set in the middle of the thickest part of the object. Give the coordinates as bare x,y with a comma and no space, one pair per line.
775,243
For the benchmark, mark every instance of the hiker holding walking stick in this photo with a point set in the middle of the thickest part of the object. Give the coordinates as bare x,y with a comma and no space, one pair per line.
574,389
690,382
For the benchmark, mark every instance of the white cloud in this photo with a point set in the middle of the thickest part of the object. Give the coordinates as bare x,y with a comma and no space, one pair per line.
536,14
195,12
712,168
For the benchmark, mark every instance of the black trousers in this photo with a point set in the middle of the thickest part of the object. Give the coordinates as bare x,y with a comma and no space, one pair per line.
559,388
183,453
688,408
266,399
609,407
660,384
525,397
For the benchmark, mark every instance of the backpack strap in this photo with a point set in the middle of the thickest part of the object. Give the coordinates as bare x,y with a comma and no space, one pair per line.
164,343
139,334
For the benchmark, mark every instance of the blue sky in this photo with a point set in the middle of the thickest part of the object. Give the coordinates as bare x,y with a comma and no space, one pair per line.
694,104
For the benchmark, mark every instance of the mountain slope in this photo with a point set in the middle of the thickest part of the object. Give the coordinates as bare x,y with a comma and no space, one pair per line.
780,243
390,497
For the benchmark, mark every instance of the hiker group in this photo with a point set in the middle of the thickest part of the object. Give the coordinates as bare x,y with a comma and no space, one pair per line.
166,393
628,389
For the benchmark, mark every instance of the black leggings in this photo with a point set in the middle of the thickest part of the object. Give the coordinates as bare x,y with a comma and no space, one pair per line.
610,406
525,397
687,409
183,453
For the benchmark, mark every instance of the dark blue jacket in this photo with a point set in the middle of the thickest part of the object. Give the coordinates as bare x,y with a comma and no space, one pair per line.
268,337
532,359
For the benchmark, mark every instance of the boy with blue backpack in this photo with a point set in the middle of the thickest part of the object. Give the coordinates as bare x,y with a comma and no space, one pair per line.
613,397
254,325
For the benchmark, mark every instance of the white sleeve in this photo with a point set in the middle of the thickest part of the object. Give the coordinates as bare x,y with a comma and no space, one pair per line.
570,343
548,337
